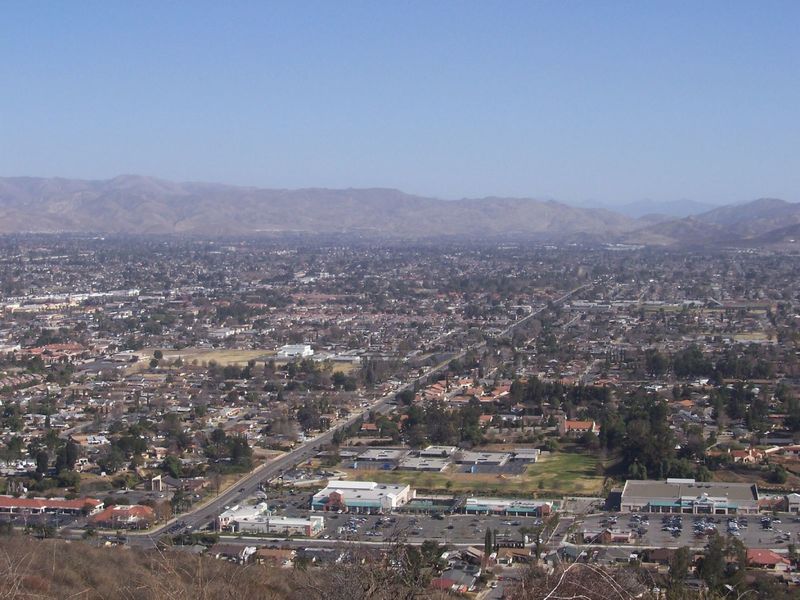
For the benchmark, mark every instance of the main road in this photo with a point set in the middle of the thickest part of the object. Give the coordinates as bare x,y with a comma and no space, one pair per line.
206,512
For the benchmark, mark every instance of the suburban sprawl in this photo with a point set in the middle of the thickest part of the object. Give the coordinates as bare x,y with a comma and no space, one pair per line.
500,410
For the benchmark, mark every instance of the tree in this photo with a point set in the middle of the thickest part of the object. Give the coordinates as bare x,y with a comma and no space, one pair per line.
678,568
308,416
488,544
406,397
113,461
42,462
70,479
655,363
172,466
218,436
158,355
72,451
778,474
179,501
66,457
14,447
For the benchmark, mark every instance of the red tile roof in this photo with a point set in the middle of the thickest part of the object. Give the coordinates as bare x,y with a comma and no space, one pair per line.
765,558
580,425
134,512
45,503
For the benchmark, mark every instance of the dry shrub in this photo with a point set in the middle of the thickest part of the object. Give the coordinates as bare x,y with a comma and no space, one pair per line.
31,569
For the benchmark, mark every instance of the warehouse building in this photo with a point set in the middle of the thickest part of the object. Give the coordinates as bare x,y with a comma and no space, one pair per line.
379,458
493,459
423,463
687,496
438,451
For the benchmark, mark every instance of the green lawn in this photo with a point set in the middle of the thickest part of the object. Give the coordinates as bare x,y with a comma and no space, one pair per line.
567,473
559,474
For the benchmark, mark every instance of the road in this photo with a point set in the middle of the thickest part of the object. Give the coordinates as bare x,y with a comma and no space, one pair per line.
205,513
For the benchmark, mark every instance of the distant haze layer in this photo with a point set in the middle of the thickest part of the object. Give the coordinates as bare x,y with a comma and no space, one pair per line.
133,204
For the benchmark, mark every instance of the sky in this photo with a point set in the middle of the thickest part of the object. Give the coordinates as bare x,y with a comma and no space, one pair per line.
605,102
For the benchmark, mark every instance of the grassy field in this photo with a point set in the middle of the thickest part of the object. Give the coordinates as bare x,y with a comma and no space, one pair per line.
753,336
225,357
222,357
558,474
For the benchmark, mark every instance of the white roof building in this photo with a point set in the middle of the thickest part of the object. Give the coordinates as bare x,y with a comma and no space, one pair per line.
361,496
259,519
295,351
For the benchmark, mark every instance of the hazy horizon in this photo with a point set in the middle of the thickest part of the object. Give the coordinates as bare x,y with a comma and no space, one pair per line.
584,103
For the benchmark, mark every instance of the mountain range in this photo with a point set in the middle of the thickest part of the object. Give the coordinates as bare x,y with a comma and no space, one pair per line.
132,204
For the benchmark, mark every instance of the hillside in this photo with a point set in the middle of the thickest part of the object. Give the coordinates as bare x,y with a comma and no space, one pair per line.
755,218
141,205
132,204
55,569
31,568
758,223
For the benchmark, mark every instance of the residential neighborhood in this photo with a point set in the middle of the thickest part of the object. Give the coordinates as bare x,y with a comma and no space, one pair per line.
508,403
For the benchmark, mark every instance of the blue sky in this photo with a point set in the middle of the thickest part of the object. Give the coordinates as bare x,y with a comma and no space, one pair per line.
596,101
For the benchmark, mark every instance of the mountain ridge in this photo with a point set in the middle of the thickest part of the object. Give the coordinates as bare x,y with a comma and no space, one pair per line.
136,204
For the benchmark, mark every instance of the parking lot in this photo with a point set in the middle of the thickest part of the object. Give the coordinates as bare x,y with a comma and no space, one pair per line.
657,530
443,528
458,529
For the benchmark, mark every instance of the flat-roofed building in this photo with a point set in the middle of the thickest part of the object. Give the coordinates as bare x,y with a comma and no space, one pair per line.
494,459
295,351
507,506
525,455
361,496
687,496
438,451
386,458
259,519
423,463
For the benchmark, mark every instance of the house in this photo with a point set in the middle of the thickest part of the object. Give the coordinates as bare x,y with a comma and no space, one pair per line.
456,580
659,556
606,536
575,428
232,552
761,558
509,556
369,428
276,557
136,516
749,456
792,451
485,420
